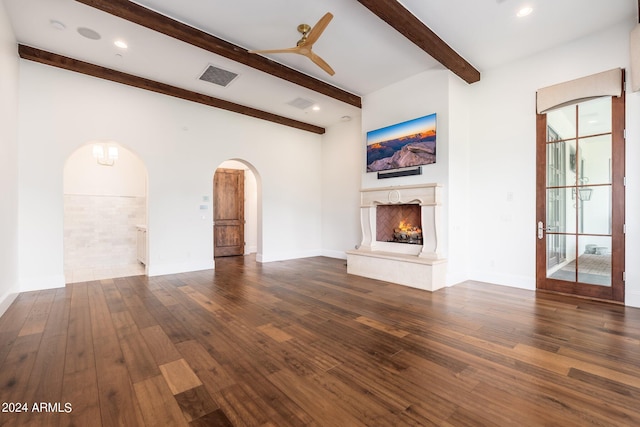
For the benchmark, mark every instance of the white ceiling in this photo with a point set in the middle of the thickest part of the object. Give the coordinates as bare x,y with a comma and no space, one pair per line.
364,51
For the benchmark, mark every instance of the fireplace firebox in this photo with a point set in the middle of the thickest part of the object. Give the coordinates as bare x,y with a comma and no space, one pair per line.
399,224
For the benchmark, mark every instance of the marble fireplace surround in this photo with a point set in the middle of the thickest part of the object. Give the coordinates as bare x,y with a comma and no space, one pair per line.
418,266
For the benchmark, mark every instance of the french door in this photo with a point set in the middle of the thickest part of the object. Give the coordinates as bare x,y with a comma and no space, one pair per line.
580,199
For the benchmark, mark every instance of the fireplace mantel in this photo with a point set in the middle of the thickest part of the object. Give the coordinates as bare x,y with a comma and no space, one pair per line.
420,266
425,194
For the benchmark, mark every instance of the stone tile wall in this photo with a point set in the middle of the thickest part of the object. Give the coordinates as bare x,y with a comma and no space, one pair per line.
100,234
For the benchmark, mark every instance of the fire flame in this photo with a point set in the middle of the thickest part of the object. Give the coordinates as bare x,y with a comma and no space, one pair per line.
406,226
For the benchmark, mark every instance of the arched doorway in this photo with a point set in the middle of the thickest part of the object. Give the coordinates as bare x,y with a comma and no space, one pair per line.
105,213
227,236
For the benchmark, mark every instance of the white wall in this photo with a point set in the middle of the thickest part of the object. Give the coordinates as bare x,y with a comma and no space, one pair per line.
420,95
342,162
417,96
632,202
502,153
459,181
181,144
8,162
250,212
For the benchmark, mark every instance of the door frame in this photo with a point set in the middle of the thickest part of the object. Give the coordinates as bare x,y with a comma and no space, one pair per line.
615,292
239,223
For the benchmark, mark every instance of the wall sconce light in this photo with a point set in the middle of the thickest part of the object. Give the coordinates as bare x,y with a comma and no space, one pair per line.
584,194
104,157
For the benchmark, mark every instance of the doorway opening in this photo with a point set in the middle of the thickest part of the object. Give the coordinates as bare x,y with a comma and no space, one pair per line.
236,210
105,213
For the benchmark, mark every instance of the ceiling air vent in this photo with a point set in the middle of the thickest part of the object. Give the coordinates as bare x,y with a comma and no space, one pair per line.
301,103
218,76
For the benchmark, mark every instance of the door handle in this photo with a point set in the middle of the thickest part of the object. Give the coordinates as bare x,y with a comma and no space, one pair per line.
540,230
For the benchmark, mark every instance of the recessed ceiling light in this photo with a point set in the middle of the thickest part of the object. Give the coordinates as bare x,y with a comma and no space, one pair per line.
121,44
57,24
524,12
89,33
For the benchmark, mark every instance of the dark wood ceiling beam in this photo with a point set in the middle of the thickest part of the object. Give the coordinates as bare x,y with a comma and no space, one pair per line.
48,58
394,14
155,21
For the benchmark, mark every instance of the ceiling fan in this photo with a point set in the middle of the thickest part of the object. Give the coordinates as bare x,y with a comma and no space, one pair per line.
303,46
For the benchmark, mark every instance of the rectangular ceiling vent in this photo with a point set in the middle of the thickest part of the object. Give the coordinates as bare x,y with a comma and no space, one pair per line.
218,76
301,103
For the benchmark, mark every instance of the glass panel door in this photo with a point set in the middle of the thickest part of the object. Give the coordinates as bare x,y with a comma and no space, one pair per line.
578,235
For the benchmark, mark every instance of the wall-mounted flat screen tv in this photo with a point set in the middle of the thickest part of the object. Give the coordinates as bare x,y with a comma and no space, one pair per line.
406,144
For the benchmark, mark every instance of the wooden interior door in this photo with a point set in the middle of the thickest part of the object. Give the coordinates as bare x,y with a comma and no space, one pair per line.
228,212
580,199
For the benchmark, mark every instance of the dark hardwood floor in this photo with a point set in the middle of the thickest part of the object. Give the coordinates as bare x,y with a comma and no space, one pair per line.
302,343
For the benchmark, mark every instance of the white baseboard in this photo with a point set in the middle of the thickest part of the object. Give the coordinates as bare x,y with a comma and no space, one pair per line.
179,267
455,278
284,256
521,282
250,250
6,300
632,299
41,283
334,254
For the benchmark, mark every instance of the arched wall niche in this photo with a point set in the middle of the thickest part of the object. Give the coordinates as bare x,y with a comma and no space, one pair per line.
105,210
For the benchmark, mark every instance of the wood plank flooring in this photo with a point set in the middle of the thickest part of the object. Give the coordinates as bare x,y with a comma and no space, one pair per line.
301,343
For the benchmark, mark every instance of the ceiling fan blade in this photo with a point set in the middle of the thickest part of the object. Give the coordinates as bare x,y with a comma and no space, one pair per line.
287,50
320,63
307,41
317,29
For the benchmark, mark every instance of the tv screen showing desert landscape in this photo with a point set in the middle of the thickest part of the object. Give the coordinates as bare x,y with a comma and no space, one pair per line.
403,145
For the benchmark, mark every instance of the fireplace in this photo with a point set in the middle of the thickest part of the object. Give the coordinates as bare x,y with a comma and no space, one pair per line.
399,223
400,231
